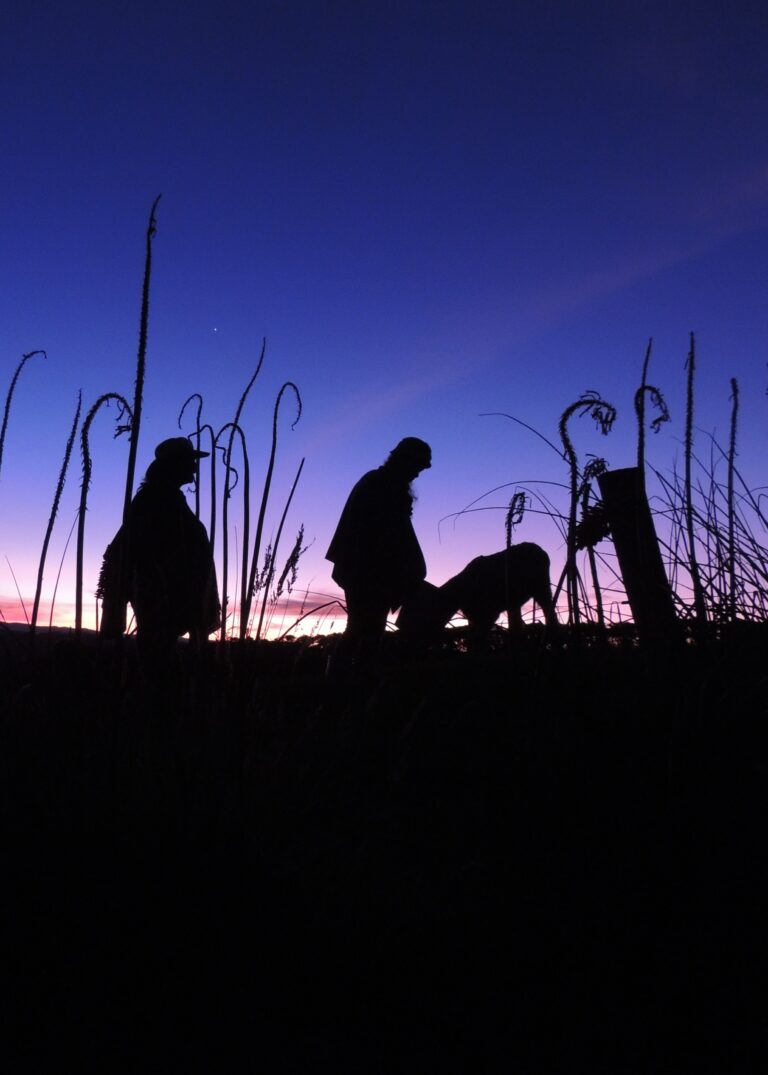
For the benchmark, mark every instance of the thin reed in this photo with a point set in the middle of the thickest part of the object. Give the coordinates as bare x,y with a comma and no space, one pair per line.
54,512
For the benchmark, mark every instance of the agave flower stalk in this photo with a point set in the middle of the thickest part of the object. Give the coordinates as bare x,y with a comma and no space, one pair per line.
693,564
731,511
295,554
198,428
8,399
592,470
212,526
54,512
235,424
141,358
513,518
60,569
265,497
604,415
658,401
228,490
124,411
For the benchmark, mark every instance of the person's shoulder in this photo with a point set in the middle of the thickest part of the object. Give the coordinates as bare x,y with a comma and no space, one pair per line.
370,481
371,477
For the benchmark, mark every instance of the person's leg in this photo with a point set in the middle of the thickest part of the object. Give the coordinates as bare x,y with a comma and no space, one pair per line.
156,645
358,648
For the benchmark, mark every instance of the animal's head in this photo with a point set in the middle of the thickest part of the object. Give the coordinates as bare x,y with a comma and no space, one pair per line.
420,613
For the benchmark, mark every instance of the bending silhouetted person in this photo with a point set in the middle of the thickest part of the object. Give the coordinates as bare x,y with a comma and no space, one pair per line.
376,555
161,562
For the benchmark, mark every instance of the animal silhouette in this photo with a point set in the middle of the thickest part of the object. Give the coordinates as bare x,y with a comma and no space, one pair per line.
486,587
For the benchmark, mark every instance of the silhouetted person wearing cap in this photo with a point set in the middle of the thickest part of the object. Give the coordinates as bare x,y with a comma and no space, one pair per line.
161,561
376,554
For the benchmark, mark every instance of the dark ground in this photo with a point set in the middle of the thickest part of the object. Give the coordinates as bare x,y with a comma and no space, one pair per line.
537,861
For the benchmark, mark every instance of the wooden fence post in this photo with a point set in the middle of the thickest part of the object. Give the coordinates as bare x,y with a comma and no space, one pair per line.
637,550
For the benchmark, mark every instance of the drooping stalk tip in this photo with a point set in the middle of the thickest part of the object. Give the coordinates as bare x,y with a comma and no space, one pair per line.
9,397
604,415
124,410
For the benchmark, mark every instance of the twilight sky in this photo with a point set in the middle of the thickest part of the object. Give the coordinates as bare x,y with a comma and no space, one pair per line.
430,210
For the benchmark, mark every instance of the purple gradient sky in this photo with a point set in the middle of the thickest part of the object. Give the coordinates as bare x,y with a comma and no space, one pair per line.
431,210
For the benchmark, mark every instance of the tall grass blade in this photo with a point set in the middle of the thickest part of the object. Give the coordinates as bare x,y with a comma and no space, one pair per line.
265,493
54,512
140,362
235,424
693,564
296,553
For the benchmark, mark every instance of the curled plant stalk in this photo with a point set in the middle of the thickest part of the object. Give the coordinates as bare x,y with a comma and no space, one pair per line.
212,527
140,362
124,410
198,429
513,517
9,398
593,469
731,508
292,559
265,495
693,564
640,407
235,424
604,415
228,489
54,512
658,401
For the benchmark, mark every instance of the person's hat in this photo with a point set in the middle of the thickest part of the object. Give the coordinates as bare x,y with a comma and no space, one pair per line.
412,448
177,448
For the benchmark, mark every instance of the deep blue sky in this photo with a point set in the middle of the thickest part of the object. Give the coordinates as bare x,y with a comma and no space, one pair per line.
430,210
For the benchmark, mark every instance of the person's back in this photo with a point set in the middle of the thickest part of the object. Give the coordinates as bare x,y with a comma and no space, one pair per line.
375,552
161,562
172,581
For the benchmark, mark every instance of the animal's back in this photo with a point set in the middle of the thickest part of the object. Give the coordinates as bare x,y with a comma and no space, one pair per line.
520,573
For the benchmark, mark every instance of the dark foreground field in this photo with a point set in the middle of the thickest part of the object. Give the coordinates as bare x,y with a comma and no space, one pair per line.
536,861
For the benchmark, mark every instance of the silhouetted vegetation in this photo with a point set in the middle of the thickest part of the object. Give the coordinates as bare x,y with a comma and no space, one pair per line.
541,857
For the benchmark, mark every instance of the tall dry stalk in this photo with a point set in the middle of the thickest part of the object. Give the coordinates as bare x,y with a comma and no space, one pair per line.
60,569
640,408
124,410
693,563
593,469
658,401
513,518
212,525
295,554
8,399
54,512
604,415
198,430
141,358
264,498
228,490
234,424
731,509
